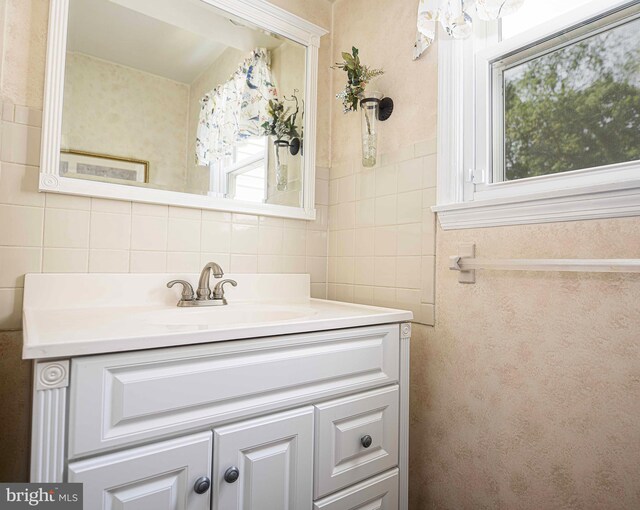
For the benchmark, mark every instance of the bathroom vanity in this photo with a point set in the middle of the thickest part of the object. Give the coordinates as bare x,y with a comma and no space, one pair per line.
275,401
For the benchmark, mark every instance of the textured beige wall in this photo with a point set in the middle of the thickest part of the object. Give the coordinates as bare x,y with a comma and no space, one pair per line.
118,110
526,395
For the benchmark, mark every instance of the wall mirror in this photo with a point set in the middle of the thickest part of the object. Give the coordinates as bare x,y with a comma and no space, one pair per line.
197,103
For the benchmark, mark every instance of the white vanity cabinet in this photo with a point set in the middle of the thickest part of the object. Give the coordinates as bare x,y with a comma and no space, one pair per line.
304,406
306,421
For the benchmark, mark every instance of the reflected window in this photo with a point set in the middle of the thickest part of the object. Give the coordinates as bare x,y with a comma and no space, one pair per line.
242,175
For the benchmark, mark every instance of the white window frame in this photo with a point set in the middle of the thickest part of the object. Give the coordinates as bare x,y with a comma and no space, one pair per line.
222,174
467,197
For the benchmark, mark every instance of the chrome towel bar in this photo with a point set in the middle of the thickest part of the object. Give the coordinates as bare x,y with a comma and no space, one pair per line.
467,264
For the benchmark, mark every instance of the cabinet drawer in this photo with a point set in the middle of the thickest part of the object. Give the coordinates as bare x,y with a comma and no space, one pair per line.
155,477
377,493
356,437
121,399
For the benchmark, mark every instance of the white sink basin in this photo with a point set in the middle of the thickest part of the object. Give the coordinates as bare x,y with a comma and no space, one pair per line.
228,315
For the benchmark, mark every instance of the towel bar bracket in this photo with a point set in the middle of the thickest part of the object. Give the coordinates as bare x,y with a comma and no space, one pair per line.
467,250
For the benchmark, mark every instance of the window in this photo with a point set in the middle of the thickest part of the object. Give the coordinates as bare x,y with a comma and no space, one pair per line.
576,106
556,114
242,175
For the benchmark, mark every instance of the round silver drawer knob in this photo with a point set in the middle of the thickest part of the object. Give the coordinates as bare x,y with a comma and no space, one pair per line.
202,485
366,441
231,474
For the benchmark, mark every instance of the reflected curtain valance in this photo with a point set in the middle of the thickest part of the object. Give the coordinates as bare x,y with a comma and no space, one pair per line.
235,110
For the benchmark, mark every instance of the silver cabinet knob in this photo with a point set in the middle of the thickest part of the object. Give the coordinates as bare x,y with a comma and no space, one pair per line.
231,475
366,441
202,485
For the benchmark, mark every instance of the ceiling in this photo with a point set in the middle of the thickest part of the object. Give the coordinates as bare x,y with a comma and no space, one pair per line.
175,39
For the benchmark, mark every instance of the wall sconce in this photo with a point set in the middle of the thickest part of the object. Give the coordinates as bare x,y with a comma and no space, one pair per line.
374,109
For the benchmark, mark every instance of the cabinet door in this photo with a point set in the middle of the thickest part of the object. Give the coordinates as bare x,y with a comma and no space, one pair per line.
272,459
160,476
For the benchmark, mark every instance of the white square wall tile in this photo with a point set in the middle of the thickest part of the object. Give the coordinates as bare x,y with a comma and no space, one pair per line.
186,213
347,189
409,239
15,262
384,296
270,240
108,261
138,208
365,184
110,231
270,264
363,295
408,272
365,213
20,144
364,271
385,271
322,192
346,243
316,243
319,290
10,309
183,234
19,185
244,239
385,241
344,293
216,237
148,262
428,280
410,175
222,259
410,207
294,264
110,206
430,171
65,228
386,180
345,270
385,210
149,233
28,116
346,213
183,262
21,226
65,260
365,242
317,269
294,241
60,201
243,263
216,215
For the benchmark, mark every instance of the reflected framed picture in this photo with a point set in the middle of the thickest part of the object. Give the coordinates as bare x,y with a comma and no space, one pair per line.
103,167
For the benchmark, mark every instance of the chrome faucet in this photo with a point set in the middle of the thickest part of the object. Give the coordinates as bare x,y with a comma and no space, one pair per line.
204,296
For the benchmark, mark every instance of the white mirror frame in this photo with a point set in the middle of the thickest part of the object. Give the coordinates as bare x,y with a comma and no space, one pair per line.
259,13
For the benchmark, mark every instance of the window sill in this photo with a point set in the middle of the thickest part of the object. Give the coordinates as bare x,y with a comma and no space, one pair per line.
593,202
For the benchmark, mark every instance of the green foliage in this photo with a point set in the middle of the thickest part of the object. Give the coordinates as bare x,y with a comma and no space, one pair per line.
358,76
282,124
574,108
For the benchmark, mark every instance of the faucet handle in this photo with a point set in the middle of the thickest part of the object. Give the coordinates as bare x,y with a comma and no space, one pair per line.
218,290
187,289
